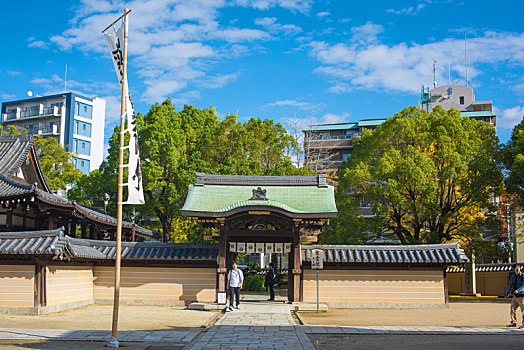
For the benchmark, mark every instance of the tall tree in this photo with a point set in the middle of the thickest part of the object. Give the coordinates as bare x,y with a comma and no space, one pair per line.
513,159
56,163
428,175
175,145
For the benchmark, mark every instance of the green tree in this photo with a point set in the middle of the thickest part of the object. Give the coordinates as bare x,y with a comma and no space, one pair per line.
56,163
428,175
513,159
174,146
12,130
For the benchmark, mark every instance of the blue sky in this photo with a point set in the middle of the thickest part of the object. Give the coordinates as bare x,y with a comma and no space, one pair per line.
311,61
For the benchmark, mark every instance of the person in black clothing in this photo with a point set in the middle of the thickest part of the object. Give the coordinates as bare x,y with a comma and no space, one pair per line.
269,282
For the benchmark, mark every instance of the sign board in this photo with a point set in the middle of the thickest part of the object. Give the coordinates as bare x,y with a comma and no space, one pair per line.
279,248
221,298
317,259
250,249
270,248
287,247
233,246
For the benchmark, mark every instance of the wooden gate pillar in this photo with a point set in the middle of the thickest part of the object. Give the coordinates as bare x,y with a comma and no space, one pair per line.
222,269
297,264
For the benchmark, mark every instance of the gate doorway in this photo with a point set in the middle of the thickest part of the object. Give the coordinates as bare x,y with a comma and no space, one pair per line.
255,267
261,211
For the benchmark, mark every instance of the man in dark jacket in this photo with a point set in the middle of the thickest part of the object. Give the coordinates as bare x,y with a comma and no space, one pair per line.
516,287
269,282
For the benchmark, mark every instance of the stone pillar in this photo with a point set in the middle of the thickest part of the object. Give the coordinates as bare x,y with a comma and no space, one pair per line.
470,276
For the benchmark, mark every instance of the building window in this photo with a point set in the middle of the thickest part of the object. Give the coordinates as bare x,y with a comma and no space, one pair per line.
82,165
84,110
82,128
461,100
82,147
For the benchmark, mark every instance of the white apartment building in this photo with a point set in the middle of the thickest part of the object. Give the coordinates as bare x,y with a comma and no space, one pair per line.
76,121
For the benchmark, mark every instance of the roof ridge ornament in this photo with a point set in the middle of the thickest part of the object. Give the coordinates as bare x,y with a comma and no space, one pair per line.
259,195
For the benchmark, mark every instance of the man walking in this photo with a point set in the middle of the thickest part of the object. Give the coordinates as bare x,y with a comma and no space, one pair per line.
235,280
269,282
516,287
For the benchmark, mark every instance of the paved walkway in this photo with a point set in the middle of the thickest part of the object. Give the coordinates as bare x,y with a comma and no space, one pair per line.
177,337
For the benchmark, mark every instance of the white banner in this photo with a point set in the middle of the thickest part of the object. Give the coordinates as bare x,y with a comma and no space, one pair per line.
115,41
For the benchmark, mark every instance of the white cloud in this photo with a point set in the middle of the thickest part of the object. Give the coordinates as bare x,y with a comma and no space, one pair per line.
13,73
298,5
411,10
302,105
220,80
175,43
38,44
366,33
340,87
371,64
7,96
55,84
332,118
322,14
271,25
509,117
113,109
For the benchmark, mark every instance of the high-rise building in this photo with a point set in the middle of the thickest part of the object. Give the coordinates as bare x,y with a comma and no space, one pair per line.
460,98
76,121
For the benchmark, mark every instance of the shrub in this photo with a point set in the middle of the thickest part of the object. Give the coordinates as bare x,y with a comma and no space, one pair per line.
254,283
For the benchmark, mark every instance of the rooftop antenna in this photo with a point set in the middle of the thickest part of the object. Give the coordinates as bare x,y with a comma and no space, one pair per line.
65,79
466,58
434,75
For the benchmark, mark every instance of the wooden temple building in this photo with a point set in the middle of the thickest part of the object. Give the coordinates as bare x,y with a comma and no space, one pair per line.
27,203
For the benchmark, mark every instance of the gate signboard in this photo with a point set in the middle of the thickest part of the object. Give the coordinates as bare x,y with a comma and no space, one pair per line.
317,263
317,260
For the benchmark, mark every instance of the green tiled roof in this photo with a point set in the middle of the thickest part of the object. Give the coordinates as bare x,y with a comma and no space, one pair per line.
345,126
222,197
473,114
326,127
371,122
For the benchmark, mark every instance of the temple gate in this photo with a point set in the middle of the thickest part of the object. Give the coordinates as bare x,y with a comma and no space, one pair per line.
248,211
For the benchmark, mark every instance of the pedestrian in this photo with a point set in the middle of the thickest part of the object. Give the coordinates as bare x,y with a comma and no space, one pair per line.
235,280
269,282
516,287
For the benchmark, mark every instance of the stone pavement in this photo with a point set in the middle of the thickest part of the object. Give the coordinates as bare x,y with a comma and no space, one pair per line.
179,337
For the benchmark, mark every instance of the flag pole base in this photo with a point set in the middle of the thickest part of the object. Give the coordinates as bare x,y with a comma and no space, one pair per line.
113,343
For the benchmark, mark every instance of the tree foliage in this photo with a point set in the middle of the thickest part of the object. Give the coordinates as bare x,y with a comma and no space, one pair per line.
429,176
174,145
56,163
513,159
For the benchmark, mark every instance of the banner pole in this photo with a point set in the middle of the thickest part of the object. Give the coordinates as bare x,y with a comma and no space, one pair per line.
118,252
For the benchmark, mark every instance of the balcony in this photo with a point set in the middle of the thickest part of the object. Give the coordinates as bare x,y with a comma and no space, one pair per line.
31,113
53,130
330,143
